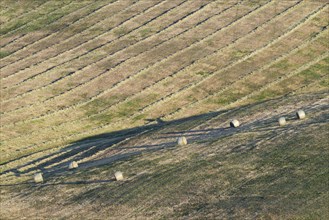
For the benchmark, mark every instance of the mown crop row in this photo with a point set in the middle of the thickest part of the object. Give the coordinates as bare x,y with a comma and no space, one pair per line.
93,130
18,10
110,125
214,96
136,10
251,58
25,18
113,47
84,30
155,83
156,46
13,33
70,24
190,109
306,66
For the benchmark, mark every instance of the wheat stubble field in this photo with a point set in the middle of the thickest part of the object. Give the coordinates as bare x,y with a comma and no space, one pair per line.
112,84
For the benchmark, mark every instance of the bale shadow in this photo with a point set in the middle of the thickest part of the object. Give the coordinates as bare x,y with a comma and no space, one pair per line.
90,146
87,147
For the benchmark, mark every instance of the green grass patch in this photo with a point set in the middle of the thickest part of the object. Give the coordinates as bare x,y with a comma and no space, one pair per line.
324,83
282,65
128,108
139,117
240,53
203,73
267,94
229,97
14,26
310,74
4,54
30,18
44,18
145,32
99,104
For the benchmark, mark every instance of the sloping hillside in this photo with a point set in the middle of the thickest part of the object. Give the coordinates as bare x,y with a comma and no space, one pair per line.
257,171
112,84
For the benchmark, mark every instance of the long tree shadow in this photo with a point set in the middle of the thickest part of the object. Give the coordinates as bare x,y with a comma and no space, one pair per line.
57,162
87,147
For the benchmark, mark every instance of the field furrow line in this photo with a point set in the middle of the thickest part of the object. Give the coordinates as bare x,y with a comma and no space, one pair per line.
86,46
292,91
192,85
24,13
5,41
54,11
17,14
304,67
124,100
88,64
311,80
27,46
19,42
9,166
195,84
149,87
32,30
62,35
243,77
105,125
57,81
145,52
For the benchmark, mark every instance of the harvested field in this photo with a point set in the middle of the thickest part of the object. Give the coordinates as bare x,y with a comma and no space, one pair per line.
112,85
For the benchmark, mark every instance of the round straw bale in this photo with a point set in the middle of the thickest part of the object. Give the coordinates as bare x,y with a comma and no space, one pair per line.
118,176
182,141
300,114
235,123
38,178
282,121
73,165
